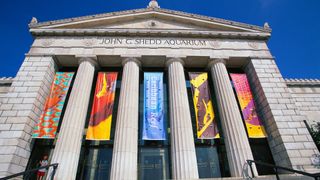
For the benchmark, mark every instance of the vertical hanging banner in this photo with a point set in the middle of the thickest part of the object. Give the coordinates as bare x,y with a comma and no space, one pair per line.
253,123
153,111
101,115
205,119
50,117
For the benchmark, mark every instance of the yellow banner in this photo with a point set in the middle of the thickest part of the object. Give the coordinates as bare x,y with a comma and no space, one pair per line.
206,123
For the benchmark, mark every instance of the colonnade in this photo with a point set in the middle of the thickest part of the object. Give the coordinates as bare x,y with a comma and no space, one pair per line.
125,150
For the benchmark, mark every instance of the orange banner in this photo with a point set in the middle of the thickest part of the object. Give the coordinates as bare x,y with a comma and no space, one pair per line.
101,115
50,117
253,123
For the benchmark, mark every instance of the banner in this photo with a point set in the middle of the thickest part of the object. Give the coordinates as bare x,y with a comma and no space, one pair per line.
153,112
49,119
205,119
254,126
101,115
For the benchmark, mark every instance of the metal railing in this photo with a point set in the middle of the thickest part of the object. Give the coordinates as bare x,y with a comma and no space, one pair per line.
26,174
276,169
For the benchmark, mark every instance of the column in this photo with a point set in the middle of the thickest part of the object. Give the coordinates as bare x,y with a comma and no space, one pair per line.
68,146
237,144
183,154
125,150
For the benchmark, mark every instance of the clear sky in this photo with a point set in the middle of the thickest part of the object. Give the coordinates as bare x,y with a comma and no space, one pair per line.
295,40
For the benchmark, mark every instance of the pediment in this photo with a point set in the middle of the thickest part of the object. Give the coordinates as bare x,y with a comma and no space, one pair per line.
152,23
149,18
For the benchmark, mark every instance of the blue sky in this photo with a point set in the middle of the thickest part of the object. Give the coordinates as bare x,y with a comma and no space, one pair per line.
295,40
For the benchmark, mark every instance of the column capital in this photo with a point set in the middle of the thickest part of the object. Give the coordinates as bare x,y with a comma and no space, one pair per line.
87,58
214,61
131,59
174,59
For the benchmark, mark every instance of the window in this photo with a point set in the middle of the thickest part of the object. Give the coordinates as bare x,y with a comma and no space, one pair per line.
153,156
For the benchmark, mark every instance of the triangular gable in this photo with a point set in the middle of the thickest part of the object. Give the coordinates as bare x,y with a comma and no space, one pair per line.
150,18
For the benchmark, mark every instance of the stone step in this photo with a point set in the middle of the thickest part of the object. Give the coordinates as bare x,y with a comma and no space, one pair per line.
267,177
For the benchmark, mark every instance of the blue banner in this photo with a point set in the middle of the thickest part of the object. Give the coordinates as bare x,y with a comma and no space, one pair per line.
153,112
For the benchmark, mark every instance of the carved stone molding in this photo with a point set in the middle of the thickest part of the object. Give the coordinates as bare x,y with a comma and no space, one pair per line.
215,44
253,45
47,42
89,42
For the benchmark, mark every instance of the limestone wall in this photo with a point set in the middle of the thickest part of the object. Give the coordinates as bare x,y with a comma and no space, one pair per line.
5,84
20,110
288,137
306,94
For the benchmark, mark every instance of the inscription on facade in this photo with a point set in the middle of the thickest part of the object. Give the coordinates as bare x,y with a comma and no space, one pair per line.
152,41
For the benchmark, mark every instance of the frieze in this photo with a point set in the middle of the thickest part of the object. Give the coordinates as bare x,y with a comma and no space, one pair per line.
152,41
89,42
215,44
148,42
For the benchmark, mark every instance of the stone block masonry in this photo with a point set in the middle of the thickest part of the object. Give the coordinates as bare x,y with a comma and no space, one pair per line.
306,94
5,84
281,117
20,110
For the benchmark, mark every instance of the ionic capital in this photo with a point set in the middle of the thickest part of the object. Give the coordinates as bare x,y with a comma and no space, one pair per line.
216,61
175,59
85,58
131,59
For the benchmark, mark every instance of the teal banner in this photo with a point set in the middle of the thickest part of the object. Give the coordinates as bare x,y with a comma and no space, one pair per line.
153,113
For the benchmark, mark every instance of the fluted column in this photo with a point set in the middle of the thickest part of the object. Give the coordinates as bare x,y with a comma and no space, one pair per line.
183,154
125,150
68,146
237,144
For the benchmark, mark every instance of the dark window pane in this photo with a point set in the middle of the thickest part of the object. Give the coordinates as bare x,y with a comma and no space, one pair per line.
153,164
97,164
41,148
208,162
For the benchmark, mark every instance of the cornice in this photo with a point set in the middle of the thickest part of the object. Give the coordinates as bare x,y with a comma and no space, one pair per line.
302,82
160,10
6,80
149,33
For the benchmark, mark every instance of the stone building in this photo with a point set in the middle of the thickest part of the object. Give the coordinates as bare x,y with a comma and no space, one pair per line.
155,40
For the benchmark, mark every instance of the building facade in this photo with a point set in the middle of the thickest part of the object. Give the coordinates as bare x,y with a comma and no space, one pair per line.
155,40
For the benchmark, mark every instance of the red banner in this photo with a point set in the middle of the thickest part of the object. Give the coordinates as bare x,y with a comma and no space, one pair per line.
50,117
253,123
206,124
101,115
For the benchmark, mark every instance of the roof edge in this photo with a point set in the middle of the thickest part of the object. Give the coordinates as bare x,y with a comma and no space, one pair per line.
296,82
6,80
